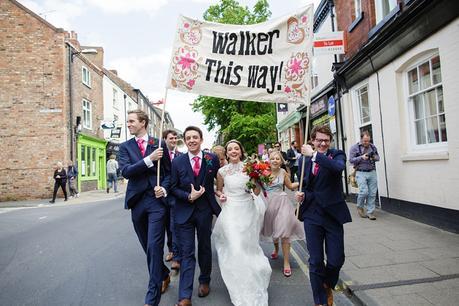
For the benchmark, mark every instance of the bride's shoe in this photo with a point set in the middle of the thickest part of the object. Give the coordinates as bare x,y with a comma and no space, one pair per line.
287,272
274,255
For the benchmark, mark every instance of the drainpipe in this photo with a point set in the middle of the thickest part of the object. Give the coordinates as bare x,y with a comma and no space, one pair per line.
71,105
382,131
338,98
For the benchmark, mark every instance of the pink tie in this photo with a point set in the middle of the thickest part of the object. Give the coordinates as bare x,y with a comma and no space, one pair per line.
171,155
316,169
140,142
196,166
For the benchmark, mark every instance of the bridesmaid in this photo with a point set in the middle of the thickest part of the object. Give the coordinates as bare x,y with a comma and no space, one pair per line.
280,222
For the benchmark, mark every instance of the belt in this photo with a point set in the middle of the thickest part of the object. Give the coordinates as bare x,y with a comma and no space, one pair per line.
366,170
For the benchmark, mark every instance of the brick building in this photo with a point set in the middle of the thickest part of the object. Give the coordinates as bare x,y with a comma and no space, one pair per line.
41,106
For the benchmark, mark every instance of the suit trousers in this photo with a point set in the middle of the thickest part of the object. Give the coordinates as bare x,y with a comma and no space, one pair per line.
331,234
201,223
149,218
171,233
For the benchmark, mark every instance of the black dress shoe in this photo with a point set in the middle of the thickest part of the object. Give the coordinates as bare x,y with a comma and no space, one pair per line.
51,201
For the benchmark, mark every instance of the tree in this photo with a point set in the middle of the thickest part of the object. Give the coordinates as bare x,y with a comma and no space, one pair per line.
249,122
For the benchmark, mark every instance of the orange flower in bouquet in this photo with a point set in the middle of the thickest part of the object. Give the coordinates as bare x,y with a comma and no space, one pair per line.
259,172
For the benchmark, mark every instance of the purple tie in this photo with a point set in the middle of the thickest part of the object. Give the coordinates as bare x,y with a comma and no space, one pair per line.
140,142
196,166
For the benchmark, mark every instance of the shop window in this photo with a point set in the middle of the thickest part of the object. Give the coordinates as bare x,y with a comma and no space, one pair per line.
425,103
83,161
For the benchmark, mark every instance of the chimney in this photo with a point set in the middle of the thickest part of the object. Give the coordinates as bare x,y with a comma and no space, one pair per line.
72,37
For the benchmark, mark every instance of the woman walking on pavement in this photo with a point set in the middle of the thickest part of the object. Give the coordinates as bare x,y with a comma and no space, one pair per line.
280,222
60,180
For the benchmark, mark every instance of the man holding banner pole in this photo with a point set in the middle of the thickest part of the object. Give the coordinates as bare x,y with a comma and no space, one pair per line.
323,211
138,159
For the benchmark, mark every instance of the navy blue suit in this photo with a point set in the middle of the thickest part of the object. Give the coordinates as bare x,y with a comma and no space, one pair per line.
172,243
194,218
148,213
324,211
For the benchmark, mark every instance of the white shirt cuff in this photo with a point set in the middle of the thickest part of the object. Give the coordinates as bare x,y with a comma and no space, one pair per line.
148,162
313,158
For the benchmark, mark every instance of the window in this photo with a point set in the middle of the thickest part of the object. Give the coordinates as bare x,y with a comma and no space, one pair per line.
383,8
83,161
115,97
87,114
85,76
314,81
425,99
357,9
362,104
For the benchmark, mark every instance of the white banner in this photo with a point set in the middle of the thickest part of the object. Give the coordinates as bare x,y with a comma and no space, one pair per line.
265,62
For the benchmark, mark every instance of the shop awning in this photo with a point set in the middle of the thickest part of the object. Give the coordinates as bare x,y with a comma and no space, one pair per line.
288,121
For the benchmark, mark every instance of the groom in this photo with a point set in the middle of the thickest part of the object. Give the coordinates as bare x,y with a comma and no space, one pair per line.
192,184
138,163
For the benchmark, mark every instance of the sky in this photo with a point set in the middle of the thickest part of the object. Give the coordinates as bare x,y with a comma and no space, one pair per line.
137,37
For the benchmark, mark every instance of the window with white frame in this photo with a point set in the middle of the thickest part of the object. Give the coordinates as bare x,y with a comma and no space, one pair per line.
85,76
357,8
426,105
87,114
115,97
363,105
383,8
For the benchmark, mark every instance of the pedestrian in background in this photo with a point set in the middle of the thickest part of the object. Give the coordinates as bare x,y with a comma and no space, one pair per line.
221,153
72,174
60,180
363,155
112,170
292,157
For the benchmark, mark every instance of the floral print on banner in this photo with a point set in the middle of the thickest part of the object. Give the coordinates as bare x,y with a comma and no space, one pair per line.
294,76
297,29
298,65
186,59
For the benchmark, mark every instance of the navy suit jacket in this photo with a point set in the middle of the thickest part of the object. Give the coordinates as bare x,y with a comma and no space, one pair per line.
182,177
141,178
327,191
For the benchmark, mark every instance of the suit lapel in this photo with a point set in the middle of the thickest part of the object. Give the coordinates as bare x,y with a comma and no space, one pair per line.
188,167
203,170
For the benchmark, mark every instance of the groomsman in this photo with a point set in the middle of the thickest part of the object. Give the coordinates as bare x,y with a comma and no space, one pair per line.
138,161
170,137
324,211
192,184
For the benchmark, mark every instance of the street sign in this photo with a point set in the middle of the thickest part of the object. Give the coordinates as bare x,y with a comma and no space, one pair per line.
331,106
116,132
282,107
329,43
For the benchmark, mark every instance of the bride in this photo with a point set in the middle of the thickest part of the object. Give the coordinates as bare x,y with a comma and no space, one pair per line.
244,268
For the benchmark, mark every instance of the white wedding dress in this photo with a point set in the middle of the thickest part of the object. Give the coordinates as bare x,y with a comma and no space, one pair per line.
236,236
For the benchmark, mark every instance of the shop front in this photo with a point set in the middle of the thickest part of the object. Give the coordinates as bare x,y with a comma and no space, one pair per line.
91,155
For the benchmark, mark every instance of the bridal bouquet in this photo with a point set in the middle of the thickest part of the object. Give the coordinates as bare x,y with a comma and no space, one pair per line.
258,171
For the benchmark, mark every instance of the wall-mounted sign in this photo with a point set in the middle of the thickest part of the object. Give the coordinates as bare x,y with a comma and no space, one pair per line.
116,132
329,43
282,107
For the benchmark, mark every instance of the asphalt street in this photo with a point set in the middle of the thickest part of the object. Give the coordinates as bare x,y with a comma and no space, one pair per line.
88,254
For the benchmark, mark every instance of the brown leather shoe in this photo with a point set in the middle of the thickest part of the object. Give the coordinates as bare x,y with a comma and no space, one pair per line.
203,290
175,265
184,302
169,256
329,292
165,284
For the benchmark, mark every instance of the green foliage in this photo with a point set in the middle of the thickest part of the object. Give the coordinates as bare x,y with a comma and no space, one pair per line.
249,122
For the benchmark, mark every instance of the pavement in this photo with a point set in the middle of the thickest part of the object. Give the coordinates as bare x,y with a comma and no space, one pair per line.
390,261
84,197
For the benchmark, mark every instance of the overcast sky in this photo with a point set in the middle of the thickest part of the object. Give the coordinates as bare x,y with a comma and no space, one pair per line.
137,37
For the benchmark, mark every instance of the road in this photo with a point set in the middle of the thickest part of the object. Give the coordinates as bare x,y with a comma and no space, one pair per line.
88,254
